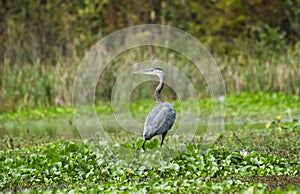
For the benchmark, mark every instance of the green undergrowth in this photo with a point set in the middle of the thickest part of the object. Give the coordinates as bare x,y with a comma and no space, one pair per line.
69,166
248,160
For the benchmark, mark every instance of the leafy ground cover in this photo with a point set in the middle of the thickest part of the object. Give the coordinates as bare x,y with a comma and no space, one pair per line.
72,166
245,158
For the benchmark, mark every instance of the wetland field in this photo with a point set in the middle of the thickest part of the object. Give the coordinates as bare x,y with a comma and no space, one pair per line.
259,151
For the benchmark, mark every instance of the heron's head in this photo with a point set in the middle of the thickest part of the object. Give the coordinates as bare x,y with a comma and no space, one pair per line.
152,71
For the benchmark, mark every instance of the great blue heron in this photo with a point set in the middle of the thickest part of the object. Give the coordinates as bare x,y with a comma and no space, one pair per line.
162,117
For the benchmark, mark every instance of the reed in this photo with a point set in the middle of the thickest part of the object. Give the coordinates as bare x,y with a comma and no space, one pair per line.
45,85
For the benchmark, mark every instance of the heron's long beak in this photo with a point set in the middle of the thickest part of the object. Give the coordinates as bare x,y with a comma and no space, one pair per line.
146,71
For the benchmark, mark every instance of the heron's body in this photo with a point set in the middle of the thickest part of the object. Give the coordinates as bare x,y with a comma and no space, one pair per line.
162,117
159,120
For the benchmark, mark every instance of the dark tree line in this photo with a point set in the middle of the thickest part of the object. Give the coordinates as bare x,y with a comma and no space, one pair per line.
47,31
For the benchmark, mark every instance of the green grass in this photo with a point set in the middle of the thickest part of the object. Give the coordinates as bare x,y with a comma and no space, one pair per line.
246,109
246,157
263,105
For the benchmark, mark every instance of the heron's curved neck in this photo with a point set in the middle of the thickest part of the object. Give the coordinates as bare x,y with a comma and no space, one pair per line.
159,89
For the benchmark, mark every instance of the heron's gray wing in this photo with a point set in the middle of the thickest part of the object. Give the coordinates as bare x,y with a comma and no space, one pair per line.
159,120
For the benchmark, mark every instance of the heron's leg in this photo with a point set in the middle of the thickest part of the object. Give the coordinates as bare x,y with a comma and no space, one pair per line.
143,146
162,139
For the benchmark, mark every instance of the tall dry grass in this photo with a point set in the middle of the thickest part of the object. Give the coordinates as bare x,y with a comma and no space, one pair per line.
45,85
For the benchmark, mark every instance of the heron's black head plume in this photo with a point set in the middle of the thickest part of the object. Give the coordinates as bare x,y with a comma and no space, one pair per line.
157,68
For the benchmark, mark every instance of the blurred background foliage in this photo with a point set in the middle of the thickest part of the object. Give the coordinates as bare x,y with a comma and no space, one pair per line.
255,42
